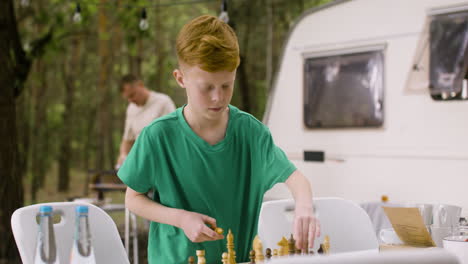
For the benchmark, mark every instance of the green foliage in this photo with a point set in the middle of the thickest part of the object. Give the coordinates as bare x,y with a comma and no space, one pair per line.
129,49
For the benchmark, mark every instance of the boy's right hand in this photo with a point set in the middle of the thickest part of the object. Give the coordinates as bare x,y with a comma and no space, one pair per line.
196,229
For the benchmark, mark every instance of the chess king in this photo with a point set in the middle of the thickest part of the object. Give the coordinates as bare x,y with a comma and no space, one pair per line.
208,162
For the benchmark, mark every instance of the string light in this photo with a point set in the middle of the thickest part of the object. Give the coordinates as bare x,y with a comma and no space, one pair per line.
77,14
143,22
24,3
224,14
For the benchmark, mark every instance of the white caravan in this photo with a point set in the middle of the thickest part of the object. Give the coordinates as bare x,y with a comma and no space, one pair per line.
370,99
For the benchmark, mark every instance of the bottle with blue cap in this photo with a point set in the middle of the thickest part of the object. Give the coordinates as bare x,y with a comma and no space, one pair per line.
46,247
82,249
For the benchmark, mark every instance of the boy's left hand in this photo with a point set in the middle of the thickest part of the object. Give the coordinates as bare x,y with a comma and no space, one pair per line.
306,226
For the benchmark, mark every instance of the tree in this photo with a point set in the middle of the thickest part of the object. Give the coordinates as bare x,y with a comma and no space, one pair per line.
14,70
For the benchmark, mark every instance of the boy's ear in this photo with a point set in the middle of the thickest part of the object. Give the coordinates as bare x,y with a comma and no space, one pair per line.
179,77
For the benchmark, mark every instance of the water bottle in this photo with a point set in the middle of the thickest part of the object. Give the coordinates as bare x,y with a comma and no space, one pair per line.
82,250
46,248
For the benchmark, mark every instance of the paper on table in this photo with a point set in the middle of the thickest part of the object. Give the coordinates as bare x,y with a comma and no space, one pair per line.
409,226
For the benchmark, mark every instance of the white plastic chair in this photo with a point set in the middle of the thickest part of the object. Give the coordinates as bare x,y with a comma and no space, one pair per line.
107,245
345,222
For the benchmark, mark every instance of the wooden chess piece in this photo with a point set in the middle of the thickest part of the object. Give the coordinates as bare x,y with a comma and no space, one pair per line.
258,247
225,258
252,257
230,248
326,244
275,253
284,247
320,250
191,260
219,230
291,245
268,254
201,257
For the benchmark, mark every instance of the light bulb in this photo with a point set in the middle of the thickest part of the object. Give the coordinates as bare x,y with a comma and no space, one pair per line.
24,3
77,17
77,14
224,17
144,24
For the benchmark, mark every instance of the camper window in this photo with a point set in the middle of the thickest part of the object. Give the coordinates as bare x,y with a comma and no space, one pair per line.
344,90
448,61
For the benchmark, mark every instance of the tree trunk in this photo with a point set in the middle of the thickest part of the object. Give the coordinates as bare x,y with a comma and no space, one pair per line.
38,137
65,153
269,45
13,72
103,107
160,51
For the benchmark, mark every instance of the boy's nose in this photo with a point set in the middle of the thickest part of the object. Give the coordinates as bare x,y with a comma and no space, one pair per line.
216,95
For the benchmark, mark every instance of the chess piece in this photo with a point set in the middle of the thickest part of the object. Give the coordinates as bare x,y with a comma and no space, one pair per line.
268,254
291,245
252,257
230,248
201,257
219,230
258,247
320,250
284,247
326,244
275,253
225,258
191,260
298,251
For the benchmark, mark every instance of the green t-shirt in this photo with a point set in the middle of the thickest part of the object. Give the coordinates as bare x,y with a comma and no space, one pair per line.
225,181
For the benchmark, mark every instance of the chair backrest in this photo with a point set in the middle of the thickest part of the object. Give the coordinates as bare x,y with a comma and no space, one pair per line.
107,245
345,222
416,256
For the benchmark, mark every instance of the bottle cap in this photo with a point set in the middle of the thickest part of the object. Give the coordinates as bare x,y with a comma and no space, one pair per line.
45,209
81,209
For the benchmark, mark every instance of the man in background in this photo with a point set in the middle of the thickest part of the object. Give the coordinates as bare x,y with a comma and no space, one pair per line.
144,107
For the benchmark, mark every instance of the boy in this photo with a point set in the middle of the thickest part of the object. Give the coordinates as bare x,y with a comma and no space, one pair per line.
208,163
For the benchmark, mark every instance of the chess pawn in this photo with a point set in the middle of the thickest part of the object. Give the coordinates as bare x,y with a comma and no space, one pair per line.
320,250
225,258
201,257
275,253
258,247
252,257
191,260
268,254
